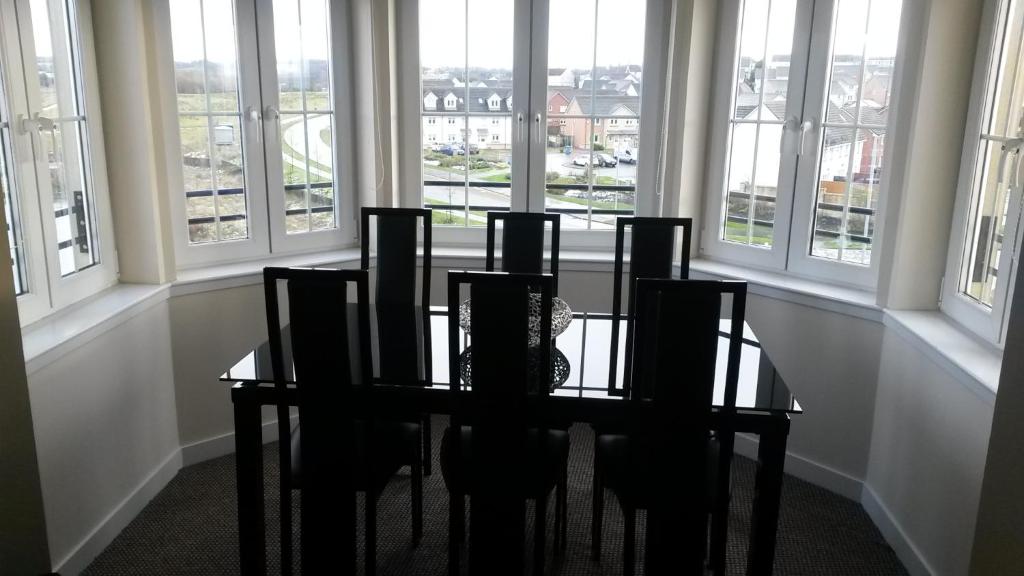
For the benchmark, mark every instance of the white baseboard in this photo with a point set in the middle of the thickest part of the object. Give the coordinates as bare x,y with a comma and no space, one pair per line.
224,444
894,534
818,474
108,529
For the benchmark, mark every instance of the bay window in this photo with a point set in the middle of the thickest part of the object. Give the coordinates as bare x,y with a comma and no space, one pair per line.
985,239
261,127
541,101
52,168
805,92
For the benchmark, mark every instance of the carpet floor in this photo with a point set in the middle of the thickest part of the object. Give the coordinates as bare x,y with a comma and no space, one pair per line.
191,526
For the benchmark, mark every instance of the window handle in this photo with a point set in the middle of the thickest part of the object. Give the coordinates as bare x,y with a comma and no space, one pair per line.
806,128
1010,146
519,127
274,115
35,124
252,114
538,120
787,145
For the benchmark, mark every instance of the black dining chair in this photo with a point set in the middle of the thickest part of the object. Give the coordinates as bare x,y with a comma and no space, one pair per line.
652,242
522,242
497,451
334,454
664,462
402,321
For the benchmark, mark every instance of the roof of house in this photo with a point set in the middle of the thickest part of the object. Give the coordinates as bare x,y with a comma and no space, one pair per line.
477,99
607,104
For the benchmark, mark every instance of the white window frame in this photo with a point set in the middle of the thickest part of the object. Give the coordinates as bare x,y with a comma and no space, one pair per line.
529,117
262,142
806,98
989,323
48,291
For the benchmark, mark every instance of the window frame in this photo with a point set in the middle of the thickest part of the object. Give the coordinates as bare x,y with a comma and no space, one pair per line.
810,64
48,290
988,323
530,111
260,129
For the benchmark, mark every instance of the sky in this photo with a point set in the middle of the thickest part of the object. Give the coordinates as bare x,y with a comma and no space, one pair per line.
874,21
188,17
443,23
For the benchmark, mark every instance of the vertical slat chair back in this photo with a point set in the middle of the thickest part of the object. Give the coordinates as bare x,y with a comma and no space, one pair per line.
498,403
326,371
522,242
650,256
675,356
403,346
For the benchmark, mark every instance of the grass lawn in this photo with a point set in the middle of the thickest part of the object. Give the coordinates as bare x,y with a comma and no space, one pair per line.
737,232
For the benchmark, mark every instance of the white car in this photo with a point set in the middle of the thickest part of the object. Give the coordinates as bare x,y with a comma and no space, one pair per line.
581,161
626,156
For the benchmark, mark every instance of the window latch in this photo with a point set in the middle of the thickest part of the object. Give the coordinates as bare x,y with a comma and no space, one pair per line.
35,124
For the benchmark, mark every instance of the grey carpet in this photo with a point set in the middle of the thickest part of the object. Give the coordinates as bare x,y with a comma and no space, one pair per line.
190,527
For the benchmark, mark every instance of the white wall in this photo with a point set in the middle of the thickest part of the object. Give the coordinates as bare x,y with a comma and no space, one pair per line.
106,434
927,458
210,331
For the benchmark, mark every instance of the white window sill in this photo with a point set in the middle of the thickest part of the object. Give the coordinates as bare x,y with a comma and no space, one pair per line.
65,330
221,276
971,361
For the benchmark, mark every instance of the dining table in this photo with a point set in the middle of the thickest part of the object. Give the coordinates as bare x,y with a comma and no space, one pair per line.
583,391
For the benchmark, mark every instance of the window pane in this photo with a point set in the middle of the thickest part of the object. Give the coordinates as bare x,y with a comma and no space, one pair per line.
66,146
209,120
11,213
863,57
467,123
991,190
762,89
303,44
594,78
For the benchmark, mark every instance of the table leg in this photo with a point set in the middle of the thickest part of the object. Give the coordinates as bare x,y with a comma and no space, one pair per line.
249,479
771,457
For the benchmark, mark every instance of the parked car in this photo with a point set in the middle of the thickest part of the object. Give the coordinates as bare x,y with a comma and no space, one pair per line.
460,151
446,149
581,160
626,155
605,160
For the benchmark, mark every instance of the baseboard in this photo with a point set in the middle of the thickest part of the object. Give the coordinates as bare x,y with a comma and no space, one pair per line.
224,444
894,534
818,474
108,529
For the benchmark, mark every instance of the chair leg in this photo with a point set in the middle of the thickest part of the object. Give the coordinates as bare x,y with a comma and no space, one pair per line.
427,456
597,516
629,537
417,502
371,533
539,541
456,518
563,499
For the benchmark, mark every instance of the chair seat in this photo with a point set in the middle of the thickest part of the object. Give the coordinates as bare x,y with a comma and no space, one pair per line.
623,481
397,445
541,470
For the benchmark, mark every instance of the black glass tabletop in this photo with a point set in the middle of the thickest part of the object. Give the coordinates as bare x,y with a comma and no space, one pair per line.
586,347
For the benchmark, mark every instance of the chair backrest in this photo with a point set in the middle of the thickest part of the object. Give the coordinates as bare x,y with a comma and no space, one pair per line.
497,401
399,339
674,365
326,371
522,242
650,256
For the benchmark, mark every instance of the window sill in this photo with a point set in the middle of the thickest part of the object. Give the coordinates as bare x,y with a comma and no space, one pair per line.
221,276
60,333
972,362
